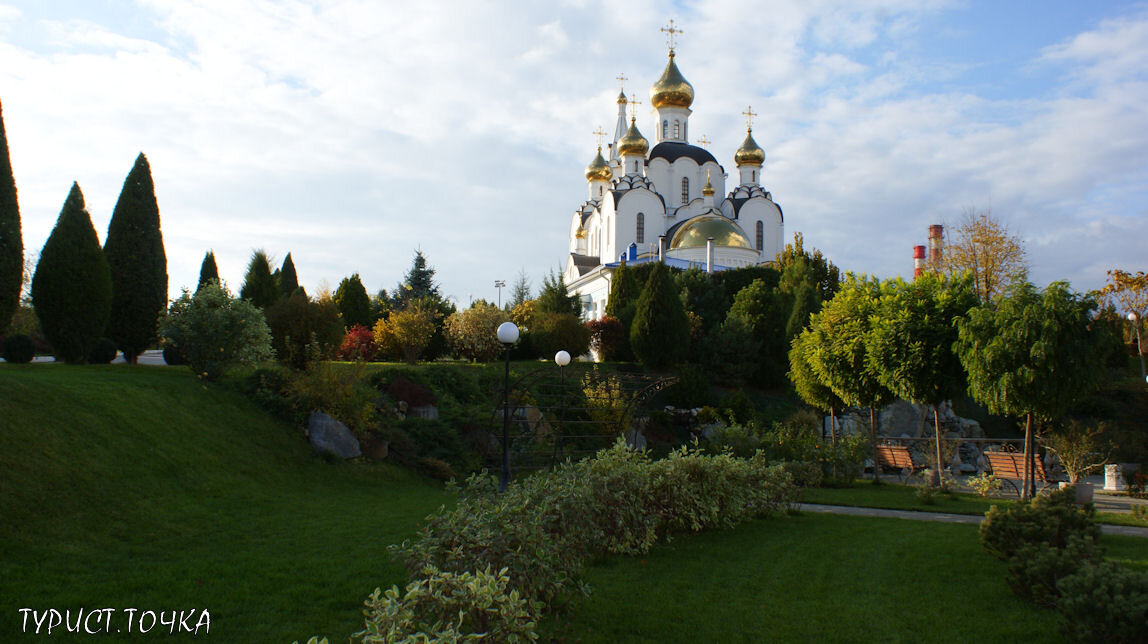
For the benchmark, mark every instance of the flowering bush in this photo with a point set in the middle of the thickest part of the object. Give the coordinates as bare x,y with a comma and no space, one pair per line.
358,344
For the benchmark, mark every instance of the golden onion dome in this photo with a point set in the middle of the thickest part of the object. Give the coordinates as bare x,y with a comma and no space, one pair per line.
695,232
580,233
708,189
621,98
672,89
750,153
633,144
599,170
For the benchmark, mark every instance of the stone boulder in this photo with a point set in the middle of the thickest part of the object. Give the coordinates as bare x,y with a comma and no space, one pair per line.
329,435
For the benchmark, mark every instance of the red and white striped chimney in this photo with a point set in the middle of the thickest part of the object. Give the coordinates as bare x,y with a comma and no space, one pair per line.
918,261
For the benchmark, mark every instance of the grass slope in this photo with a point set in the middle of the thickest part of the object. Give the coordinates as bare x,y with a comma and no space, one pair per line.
142,487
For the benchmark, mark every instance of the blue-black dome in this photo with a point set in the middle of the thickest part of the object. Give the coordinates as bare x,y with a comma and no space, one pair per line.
673,150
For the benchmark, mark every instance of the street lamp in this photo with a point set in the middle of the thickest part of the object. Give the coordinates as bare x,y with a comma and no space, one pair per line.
507,335
498,284
562,358
1134,318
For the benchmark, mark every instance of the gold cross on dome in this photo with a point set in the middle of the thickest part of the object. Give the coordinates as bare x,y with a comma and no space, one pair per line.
749,114
599,133
704,141
621,78
670,31
634,103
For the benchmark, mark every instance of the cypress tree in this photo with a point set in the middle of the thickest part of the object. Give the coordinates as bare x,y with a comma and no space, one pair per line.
72,287
134,250
259,286
11,244
207,270
288,279
660,335
353,302
624,291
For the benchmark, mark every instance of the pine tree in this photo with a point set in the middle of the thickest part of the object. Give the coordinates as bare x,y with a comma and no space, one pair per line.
208,271
134,250
353,302
72,287
11,243
660,336
259,286
418,285
288,279
554,298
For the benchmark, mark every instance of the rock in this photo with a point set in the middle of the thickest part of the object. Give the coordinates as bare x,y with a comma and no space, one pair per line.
330,435
636,440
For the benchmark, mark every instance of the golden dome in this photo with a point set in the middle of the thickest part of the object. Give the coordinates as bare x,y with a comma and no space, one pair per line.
621,98
695,232
580,233
750,153
633,144
708,190
672,89
599,170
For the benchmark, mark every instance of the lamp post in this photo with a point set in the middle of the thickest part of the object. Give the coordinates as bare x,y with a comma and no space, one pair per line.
498,284
1135,319
562,358
507,335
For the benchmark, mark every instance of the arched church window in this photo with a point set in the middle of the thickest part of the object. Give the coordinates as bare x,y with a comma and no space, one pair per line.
599,192
665,129
760,236
685,190
640,233
677,130
753,175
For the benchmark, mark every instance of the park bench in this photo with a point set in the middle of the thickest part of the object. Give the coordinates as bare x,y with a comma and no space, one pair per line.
1009,466
897,457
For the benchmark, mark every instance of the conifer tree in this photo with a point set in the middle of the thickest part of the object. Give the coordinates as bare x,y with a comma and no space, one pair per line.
660,336
259,286
72,287
288,279
624,291
134,250
554,298
208,271
11,243
353,302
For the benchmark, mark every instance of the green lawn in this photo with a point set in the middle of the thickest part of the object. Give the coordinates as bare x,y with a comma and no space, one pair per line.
142,487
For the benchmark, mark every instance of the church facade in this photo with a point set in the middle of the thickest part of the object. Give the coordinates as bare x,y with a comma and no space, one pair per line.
668,202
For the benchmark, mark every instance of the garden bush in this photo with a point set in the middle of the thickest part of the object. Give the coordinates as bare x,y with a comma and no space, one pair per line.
472,333
215,331
1050,519
1037,568
554,332
339,391
172,356
607,338
358,344
103,351
19,349
443,606
1104,603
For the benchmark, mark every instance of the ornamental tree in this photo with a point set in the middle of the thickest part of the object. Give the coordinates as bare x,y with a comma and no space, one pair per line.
259,286
353,302
809,386
11,243
214,331
208,271
660,335
408,332
838,351
1031,354
910,344
472,333
72,287
134,249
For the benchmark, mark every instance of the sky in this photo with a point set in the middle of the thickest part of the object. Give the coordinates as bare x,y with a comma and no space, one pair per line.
352,133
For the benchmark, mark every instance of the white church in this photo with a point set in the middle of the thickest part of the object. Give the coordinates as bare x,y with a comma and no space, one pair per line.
658,203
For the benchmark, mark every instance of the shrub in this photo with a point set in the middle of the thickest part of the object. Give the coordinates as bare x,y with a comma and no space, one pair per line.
660,334
554,332
443,606
1104,603
103,351
692,389
1080,448
1051,519
406,333
436,440
985,485
607,338
336,390
472,333
302,330
19,349
173,356
1037,568
215,331
358,344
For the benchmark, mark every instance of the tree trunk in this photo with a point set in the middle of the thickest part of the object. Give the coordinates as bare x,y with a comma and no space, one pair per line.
833,438
937,430
1026,488
873,444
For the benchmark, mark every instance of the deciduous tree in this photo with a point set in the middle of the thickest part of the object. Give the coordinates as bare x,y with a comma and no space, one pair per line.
472,333
982,245
138,263
72,287
1030,354
1129,293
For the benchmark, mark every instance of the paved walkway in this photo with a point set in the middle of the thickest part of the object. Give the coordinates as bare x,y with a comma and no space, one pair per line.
941,517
